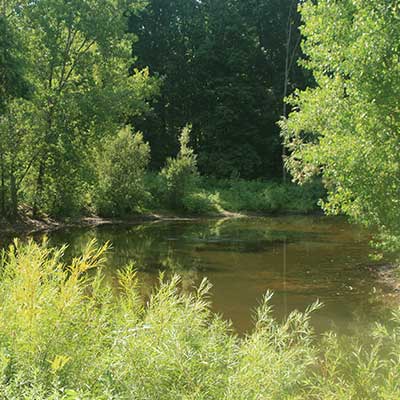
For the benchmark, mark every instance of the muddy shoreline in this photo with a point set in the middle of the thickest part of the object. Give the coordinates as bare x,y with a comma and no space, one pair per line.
28,225
389,274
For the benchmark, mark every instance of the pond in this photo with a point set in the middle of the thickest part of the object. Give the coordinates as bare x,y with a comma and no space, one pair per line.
299,258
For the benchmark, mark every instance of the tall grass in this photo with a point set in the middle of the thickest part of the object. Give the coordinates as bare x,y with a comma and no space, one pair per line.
67,333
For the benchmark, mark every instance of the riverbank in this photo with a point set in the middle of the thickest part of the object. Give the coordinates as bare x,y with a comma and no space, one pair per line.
389,275
31,225
28,225
209,198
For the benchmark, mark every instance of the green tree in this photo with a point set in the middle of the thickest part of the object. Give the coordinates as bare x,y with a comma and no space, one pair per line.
242,64
121,164
78,55
347,127
223,69
169,32
180,173
12,81
13,86
17,125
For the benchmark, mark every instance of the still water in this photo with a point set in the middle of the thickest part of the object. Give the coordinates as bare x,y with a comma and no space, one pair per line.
299,258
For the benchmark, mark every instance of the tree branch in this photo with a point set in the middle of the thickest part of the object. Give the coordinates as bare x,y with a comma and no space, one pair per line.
80,53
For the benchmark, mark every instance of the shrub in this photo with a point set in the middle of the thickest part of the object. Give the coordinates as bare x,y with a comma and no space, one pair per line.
65,334
207,195
260,196
180,173
121,165
155,185
200,202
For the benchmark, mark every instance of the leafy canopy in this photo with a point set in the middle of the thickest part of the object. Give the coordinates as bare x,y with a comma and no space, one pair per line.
347,128
77,64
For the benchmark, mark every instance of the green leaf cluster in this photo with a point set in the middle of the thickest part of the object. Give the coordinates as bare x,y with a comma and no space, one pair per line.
121,164
347,127
77,62
180,173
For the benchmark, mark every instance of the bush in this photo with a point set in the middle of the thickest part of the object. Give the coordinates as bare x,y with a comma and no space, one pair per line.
259,196
180,173
200,202
66,334
121,165
156,186
207,195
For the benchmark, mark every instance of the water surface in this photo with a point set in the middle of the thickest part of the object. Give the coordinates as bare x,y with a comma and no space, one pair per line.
300,259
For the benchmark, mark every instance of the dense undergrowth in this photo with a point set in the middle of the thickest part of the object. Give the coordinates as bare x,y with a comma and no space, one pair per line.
121,185
212,196
67,333
179,186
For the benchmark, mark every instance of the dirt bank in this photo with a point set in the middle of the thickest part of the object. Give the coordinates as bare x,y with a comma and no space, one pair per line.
26,224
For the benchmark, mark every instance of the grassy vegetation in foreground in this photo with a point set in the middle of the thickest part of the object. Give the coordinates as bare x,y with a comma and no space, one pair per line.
67,334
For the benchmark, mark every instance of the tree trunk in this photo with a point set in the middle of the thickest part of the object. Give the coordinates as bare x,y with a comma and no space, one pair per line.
3,188
39,189
286,80
14,197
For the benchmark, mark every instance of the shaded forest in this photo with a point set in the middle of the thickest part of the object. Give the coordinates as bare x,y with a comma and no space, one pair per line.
222,66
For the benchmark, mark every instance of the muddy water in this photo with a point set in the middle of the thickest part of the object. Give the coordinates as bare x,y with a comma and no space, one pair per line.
300,259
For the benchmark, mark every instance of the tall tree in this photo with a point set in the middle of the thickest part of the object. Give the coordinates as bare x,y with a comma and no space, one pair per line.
13,86
347,128
80,57
168,34
222,64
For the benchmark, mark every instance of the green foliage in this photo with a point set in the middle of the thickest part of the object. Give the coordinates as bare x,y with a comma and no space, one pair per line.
155,185
17,122
12,81
63,331
67,334
222,64
367,371
347,128
77,60
69,79
237,195
121,164
201,202
202,195
211,196
180,173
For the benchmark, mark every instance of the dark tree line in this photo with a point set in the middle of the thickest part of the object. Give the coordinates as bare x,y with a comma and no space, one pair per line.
222,65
